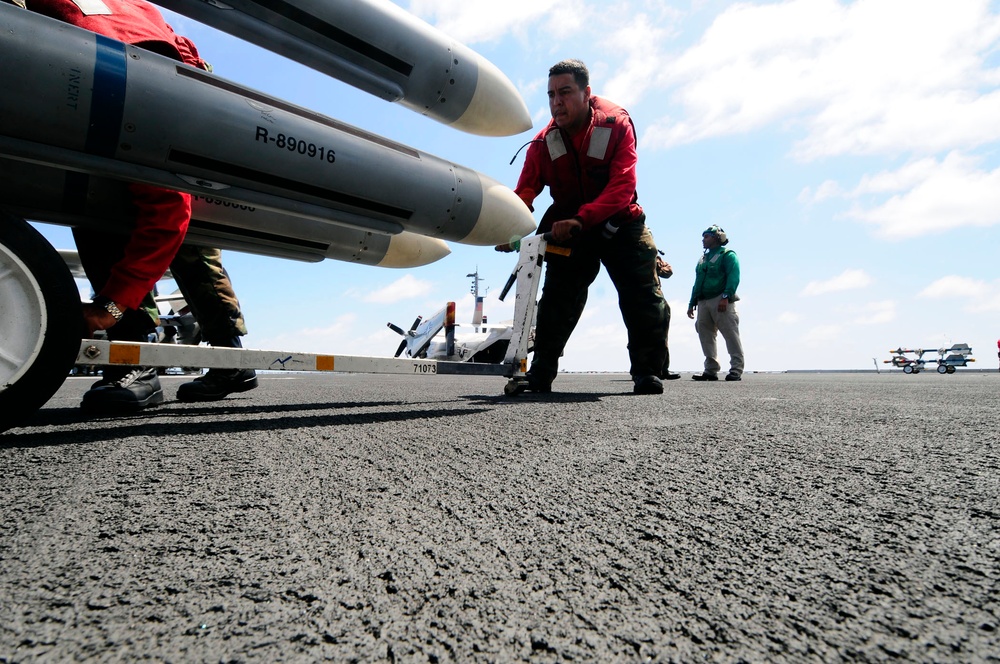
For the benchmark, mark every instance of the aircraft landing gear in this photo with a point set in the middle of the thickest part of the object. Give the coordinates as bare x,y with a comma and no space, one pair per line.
40,320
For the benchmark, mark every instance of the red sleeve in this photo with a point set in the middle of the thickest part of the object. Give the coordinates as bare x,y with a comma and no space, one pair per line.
161,222
620,190
188,52
530,184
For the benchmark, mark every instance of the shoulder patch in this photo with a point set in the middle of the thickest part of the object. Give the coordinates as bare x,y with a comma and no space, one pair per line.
599,139
93,7
554,141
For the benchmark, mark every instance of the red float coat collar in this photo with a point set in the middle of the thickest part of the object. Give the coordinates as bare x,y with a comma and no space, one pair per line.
128,21
591,175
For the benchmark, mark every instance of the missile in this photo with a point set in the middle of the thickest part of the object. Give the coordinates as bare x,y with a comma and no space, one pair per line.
69,198
116,111
379,48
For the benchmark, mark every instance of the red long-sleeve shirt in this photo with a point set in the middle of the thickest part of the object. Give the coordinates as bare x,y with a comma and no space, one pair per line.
591,175
162,215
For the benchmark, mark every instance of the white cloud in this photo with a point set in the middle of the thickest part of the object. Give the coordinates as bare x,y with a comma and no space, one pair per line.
889,182
876,313
969,295
938,197
828,189
871,76
404,288
638,60
479,21
823,336
789,318
847,280
954,286
342,337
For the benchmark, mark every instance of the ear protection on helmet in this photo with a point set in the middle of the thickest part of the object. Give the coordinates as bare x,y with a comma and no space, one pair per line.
718,233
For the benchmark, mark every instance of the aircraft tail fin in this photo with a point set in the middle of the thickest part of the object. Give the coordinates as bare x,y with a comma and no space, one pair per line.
477,315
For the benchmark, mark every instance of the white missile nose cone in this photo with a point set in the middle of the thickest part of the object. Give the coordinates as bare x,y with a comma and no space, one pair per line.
497,108
503,218
411,250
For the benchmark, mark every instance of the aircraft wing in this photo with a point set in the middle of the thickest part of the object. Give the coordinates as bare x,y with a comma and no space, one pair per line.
419,339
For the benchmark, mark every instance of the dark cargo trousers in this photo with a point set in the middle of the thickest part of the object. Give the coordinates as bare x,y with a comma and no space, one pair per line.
630,259
206,287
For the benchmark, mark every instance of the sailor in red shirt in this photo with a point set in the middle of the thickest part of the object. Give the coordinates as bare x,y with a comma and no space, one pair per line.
586,156
122,273
123,269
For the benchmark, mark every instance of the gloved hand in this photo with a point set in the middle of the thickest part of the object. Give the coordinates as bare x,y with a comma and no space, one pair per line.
663,268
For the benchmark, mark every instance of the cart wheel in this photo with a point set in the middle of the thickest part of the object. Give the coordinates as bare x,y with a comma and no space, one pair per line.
942,368
951,369
514,387
908,369
40,320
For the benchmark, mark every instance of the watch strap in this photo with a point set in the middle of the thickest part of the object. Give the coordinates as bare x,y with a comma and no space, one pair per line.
109,306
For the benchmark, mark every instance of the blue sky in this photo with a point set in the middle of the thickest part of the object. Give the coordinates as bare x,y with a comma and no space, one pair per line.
849,150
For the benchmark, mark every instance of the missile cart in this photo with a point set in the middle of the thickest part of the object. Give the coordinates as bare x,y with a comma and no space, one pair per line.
912,361
85,115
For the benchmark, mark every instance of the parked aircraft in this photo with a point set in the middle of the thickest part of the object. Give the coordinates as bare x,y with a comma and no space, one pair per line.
436,337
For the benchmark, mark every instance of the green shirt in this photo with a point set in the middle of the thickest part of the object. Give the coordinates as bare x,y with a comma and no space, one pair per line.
717,272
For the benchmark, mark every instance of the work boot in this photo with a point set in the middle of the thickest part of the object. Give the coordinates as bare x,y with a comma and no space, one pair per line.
536,383
733,377
124,389
217,384
665,372
647,385
704,376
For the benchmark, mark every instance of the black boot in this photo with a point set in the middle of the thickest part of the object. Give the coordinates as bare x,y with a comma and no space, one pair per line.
666,374
123,389
536,383
219,383
647,385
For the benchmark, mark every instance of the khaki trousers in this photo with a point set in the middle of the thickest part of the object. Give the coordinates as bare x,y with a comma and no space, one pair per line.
709,323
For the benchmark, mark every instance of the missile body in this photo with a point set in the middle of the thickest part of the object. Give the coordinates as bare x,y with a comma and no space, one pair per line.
42,193
83,102
380,48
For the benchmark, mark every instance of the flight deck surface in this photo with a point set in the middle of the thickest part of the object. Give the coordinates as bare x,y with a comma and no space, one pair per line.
806,517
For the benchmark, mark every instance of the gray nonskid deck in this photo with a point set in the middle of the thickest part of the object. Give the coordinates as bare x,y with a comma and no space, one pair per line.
378,518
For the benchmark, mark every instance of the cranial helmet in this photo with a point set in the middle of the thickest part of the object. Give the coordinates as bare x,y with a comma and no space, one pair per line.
718,233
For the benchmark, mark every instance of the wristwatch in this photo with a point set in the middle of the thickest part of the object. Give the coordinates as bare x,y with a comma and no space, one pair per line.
109,306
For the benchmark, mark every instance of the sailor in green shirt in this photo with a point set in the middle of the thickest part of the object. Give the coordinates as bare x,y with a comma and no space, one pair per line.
717,276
